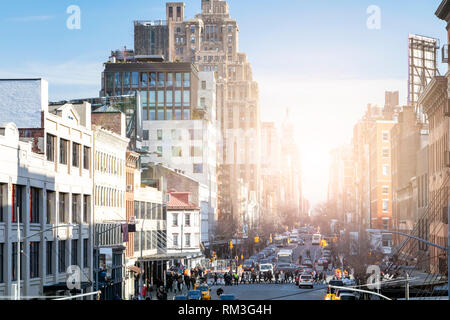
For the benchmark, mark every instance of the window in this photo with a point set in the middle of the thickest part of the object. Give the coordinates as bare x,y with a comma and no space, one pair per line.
34,260
145,135
74,260
118,80
192,39
135,80
86,208
2,210
175,239
49,257
230,50
178,80
63,151
186,98
175,220
75,213
177,98
142,206
136,210
230,29
34,204
386,153
169,98
62,207
75,155
169,82
187,80
187,239
159,150
385,224
177,152
195,134
161,79
204,85
385,169
17,202
385,190
170,12
2,246
86,157
159,134
177,115
14,261
50,207
187,220
385,136
176,135
50,147
62,256
85,252
196,151
230,39
385,205
198,168
143,79
160,99
178,12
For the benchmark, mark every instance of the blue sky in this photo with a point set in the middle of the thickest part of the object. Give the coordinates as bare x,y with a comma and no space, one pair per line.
316,57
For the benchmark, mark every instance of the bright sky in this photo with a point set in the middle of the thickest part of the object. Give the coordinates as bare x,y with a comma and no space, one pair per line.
316,57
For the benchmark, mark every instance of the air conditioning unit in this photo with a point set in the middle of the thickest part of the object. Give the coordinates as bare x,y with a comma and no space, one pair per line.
447,159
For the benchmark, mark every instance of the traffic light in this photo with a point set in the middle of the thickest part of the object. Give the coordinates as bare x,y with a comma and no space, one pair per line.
231,244
242,257
236,258
270,238
256,239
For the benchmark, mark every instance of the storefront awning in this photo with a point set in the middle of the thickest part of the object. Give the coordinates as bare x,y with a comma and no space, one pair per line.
171,256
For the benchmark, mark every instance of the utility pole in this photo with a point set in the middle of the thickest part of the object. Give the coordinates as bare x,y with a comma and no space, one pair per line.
407,287
18,254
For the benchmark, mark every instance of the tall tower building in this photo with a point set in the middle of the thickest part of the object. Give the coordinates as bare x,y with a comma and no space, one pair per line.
211,41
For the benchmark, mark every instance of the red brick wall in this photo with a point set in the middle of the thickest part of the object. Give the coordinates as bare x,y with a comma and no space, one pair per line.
109,121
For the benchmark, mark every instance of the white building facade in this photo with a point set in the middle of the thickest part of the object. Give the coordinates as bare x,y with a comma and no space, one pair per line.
46,185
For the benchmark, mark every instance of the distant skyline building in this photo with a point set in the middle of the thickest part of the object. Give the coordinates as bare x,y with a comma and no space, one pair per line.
210,40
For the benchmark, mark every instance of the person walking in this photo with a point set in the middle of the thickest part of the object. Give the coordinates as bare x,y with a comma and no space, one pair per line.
187,282
179,283
215,279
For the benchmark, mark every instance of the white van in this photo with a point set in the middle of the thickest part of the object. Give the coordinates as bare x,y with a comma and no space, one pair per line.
316,238
266,267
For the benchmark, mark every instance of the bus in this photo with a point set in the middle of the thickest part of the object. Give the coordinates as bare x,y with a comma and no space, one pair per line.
316,238
280,241
284,256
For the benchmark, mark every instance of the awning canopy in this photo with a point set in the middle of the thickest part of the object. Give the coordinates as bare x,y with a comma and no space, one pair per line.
171,256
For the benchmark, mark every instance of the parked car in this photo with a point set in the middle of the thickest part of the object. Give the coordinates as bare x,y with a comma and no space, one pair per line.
227,297
307,263
337,283
347,296
306,280
341,292
194,295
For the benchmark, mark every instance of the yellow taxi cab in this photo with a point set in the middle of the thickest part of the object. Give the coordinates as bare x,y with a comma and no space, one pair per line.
331,296
204,289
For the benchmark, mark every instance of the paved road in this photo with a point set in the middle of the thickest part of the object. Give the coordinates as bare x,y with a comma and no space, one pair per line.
286,291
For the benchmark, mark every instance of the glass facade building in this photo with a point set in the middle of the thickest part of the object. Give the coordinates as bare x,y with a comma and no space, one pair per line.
168,91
